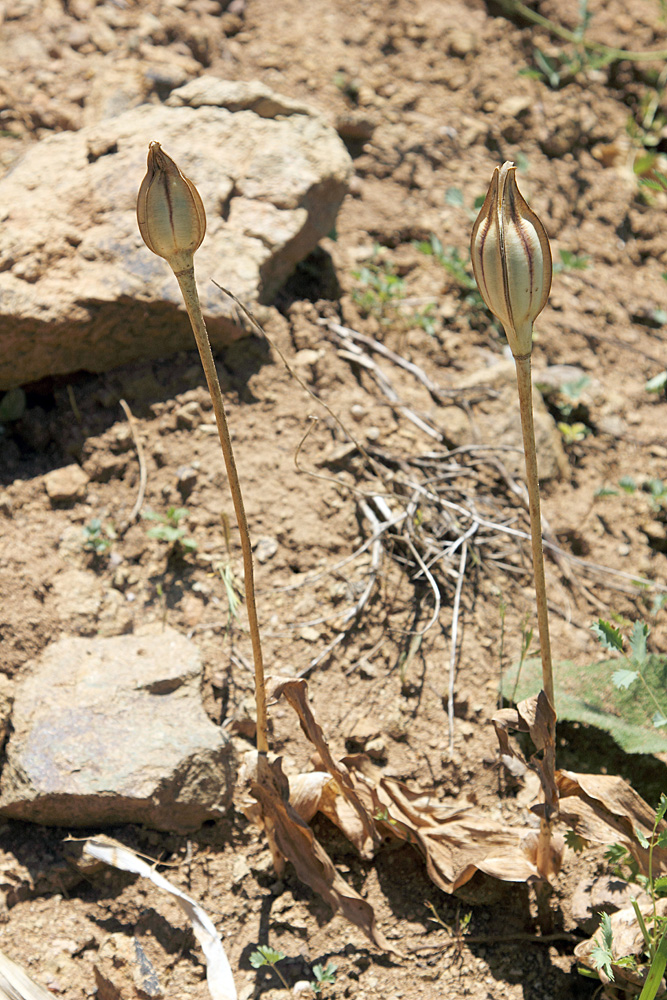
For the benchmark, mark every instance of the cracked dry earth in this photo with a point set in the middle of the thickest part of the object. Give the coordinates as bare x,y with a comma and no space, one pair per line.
428,96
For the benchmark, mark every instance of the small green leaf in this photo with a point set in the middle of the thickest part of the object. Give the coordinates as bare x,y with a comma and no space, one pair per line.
615,854
601,954
657,383
165,532
454,197
656,488
570,261
659,601
548,67
626,962
624,678
627,484
326,973
638,637
609,636
660,885
643,841
659,720
265,956
644,163
606,491
575,842
652,984
176,514
574,389
661,811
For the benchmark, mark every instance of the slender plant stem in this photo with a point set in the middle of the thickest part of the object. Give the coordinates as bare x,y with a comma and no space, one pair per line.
650,694
614,54
188,286
525,386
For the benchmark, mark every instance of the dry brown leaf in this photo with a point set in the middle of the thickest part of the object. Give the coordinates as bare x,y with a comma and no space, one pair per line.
305,792
606,809
536,717
296,693
298,844
455,841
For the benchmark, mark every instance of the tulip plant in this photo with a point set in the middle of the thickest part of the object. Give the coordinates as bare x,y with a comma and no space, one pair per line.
172,223
511,261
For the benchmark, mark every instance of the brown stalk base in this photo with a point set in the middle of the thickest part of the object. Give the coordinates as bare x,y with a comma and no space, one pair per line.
188,286
525,387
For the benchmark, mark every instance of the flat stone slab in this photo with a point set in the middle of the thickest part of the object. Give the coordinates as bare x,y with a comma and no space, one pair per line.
110,731
78,288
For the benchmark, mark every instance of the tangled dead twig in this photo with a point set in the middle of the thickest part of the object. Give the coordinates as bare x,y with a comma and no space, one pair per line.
134,513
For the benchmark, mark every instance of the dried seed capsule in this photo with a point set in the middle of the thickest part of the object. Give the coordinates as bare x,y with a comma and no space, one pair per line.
170,212
511,259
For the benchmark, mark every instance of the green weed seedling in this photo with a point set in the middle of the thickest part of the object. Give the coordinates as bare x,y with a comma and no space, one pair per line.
658,383
98,538
570,261
639,661
653,927
382,295
559,70
656,489
573,433
573,414
325,975
168,528
381,288
232,592
458,267
268,956
453,263
645,127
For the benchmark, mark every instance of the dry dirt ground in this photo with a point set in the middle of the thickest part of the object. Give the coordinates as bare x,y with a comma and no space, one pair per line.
429,96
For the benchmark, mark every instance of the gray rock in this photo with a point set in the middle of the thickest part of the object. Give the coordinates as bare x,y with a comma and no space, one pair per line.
113,731
78,288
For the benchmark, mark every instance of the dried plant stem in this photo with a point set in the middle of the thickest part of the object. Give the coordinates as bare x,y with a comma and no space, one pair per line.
142,466
188,286
525,387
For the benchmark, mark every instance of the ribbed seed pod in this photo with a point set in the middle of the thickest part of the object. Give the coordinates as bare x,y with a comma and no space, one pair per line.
511,259
170,213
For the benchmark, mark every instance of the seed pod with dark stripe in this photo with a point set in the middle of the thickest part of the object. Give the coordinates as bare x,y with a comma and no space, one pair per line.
511,259
170,212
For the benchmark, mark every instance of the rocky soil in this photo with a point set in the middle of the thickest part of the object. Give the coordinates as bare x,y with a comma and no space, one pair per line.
425,98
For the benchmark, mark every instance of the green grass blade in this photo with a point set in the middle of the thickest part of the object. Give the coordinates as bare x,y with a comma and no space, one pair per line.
656,972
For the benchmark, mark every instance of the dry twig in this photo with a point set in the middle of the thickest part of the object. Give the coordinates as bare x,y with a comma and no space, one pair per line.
134,513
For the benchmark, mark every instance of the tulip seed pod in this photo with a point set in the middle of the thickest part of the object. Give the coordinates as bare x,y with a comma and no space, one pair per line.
511,259
170,213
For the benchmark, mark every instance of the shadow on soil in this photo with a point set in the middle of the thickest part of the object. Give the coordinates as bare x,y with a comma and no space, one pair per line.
63,412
